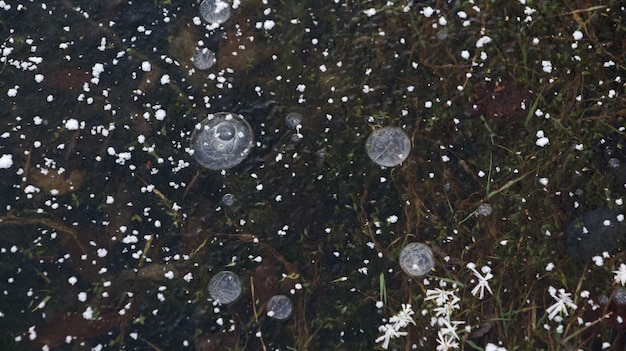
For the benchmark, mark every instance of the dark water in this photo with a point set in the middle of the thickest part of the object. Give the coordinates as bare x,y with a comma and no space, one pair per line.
118,230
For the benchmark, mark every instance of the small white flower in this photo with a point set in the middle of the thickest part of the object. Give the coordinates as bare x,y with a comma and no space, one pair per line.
403,318
439,295
447,308
446,342
620,274
389,332
399,321
449,327
563,302
483,281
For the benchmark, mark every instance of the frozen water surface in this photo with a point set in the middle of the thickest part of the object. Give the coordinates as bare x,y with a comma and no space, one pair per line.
510,139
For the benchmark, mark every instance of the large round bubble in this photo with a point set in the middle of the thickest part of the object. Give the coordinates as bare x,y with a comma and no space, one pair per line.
225,287
203,59
388,146
221,141
279,307
416,259
215,11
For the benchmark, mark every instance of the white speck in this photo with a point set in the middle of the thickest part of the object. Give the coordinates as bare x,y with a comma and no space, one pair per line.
428,11
13,91
82,296
543,181
165,79
72,280
6,161
579,147
547,66
481,174
465,54
268,24
71,124
392,219
550,267
370,12
88,314
160,114
102,252
146,66
38,78
482,41
577,35
541,139
598,260
169,275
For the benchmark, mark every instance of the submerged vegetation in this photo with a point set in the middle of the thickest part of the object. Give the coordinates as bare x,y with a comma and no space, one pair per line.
110,231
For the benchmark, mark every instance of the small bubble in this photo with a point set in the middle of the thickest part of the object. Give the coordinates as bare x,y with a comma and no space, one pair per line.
484,210
229,199
279,307
215,11
293,120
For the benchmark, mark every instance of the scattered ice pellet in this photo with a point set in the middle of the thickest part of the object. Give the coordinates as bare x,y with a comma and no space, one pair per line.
6,161
370,12
71,124
577,35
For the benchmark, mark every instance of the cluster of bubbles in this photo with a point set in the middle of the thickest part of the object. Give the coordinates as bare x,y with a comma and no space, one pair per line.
224,139
214,12
225,288
416,259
